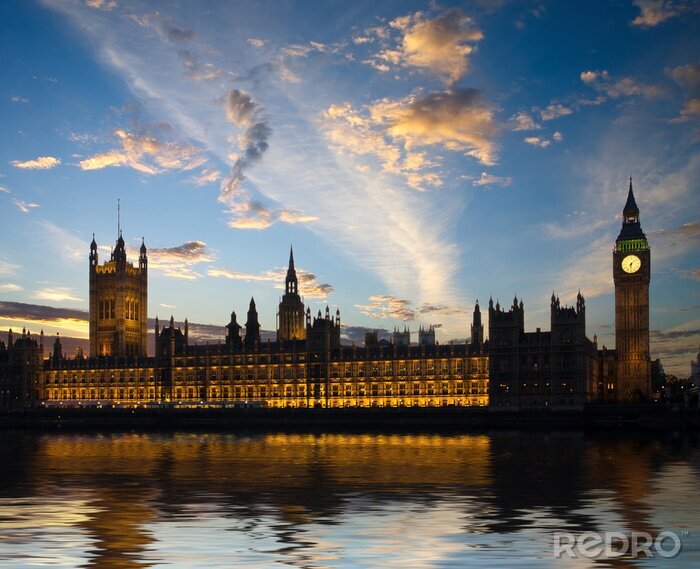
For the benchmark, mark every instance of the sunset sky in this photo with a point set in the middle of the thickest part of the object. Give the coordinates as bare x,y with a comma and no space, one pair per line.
418,156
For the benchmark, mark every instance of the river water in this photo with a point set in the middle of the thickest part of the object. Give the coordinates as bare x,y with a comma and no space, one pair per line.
339,500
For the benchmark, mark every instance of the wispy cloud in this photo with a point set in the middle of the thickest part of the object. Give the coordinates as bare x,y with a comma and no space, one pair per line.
385,306
490,180
101,4
206,176
168,30
40,163
18,99
554,111
614,87
60,294
543,142
309,286
177,262
688,77
66,244
199,70
10,287
523,121
654,12
147,154
24,207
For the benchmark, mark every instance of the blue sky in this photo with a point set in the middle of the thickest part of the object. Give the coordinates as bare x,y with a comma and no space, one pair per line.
418,156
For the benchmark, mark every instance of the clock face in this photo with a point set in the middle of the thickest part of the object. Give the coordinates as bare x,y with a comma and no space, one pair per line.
631,264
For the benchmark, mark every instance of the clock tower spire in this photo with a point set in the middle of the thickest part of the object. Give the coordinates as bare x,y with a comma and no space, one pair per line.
632,273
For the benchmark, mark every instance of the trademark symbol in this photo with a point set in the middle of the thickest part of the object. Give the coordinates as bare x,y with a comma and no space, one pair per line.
685,533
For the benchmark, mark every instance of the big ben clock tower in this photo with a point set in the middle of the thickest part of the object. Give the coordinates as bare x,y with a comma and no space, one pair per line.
631,273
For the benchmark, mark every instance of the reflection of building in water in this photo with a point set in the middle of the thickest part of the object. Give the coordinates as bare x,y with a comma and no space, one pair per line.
132,492
627,468
307,366
118,526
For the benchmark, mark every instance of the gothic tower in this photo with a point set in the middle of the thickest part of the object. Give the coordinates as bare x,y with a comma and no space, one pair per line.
118,303
477,341
290,317
252,327
631,273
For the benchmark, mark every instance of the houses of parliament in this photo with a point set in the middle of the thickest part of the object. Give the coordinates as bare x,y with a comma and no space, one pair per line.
309,366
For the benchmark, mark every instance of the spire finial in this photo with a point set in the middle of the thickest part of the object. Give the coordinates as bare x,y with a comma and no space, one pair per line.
119,218
291,257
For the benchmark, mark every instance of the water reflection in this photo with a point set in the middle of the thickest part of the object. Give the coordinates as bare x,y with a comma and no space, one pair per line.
330,500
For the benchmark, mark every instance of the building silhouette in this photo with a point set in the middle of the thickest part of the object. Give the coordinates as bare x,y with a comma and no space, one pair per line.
308,365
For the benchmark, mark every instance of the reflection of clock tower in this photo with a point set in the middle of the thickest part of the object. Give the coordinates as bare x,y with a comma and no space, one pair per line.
631,273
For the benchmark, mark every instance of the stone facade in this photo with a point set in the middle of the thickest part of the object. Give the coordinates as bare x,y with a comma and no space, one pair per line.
118,303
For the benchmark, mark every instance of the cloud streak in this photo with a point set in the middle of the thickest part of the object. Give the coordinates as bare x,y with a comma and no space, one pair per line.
177,262
147,154
309,286
40,163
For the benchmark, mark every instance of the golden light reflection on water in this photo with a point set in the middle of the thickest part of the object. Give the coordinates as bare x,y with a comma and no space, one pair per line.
328,500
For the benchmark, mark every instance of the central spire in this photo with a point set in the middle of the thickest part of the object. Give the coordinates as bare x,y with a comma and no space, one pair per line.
631,211
291,282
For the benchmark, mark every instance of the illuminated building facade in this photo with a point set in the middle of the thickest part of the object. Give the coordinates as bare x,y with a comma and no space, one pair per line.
316,373
308,366
290,316
118,303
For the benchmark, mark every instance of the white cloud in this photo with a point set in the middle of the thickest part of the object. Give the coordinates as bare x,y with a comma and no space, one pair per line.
554,111
24,207
165,27
543,142
255,42
385,306
10,287
101,4
63,242
524,121
147,154
615,88
7,268
441,45
538,141
18,99
206,176
40,163
489,180
688,77
177,262
61,294
309,287
654,12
